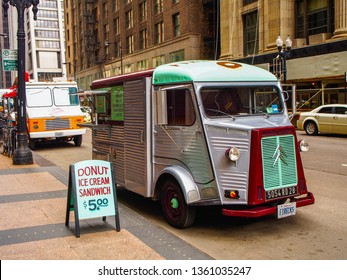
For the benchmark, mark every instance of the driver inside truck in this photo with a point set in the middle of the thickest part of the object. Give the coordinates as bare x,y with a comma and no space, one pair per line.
230,101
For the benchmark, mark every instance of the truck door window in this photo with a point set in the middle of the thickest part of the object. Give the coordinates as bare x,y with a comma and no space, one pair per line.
180,109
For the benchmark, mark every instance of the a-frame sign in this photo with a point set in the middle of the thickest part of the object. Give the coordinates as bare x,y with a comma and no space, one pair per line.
91,192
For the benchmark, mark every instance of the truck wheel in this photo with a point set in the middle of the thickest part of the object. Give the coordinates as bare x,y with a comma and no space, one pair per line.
32,144
311,128
77,140
175,209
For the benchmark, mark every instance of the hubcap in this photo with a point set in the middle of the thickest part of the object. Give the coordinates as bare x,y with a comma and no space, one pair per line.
174,203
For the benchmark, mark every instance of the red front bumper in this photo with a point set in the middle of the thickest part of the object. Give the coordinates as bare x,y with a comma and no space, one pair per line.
265,210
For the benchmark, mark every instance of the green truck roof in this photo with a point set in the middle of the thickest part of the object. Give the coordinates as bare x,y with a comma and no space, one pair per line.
209,71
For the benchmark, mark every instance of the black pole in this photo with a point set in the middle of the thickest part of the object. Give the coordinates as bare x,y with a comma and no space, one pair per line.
284,55
22,153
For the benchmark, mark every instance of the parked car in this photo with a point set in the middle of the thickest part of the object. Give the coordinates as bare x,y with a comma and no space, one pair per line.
86,115
330,118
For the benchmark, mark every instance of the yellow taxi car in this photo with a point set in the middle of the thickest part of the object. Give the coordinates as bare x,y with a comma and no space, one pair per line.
330,119
86,115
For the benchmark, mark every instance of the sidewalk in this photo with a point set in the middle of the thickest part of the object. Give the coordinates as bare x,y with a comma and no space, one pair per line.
32,223
32,207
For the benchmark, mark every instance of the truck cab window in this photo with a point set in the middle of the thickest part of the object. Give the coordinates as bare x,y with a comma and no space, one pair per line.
180,109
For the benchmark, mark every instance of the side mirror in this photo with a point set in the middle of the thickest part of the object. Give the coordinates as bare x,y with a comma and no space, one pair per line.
285,95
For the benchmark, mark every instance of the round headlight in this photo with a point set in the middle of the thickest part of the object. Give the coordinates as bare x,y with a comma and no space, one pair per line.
233,153
304,147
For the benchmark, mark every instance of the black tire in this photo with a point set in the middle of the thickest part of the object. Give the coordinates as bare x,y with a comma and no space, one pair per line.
32,144
311,128
175,209
77,140
2,148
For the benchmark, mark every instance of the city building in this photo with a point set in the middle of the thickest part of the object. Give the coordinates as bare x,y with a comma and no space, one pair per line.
110,37
314,66
5,42
45,40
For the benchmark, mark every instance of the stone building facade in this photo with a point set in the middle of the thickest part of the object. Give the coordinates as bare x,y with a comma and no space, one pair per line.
111,37
316,64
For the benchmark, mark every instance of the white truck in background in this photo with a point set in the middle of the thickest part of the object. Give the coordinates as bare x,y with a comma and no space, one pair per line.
53,112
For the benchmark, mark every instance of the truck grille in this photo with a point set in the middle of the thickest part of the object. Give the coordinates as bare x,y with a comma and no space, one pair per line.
279,162
57,124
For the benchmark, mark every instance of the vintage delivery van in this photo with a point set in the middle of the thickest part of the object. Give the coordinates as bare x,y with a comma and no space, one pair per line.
197,133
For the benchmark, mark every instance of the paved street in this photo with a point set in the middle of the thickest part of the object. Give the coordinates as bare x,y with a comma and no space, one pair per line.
316,232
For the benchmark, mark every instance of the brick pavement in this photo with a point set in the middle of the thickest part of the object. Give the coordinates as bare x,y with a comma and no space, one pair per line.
32,223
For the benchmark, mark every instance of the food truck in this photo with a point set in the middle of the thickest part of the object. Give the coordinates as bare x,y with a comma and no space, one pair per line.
197,133
53,112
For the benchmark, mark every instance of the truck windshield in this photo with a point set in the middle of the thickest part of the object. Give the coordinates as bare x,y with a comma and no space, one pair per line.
239,101
39,97
45,97
64,97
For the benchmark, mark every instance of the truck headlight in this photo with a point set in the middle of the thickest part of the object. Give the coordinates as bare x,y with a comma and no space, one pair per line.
232,153
304,147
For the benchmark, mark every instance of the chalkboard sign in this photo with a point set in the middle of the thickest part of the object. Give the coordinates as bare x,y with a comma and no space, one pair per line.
91,192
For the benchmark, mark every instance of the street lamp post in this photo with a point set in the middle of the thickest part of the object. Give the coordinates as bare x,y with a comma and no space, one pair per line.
22,153
284,53
74,69
119,54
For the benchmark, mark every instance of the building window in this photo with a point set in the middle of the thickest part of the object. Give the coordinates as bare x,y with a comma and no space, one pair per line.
128,68
116,26
129,19
47,23
130,44
158,60
143,11
143,39
117,71
251,41
247,2
46,34
48,44
116,5
105,11
177,56
158,7
314,17
118,49
176,25
106,32
142,65
159,33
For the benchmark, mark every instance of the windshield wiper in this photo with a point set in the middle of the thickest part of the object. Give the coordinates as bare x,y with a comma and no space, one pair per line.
221,112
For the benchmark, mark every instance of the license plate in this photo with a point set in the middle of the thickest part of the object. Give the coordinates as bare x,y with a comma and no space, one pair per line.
59,134
280,193
286,210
